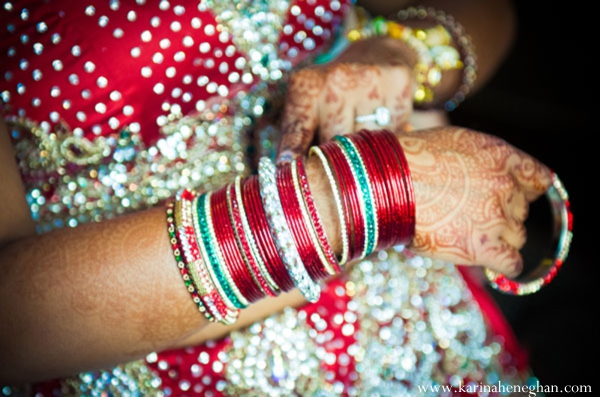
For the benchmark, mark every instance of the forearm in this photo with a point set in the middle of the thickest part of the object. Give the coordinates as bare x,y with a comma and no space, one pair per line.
109,289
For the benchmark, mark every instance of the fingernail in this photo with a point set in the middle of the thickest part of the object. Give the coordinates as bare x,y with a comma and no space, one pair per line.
285,157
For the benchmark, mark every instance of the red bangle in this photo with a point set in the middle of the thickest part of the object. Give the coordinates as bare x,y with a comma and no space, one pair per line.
314,215
350,199
406,181
392,175
298,228
231,255
211,297
264,241
244,245
372,163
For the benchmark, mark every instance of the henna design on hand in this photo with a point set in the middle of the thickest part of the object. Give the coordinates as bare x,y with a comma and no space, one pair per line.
470,193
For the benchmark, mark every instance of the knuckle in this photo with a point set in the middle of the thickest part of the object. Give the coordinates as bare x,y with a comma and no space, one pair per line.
513,265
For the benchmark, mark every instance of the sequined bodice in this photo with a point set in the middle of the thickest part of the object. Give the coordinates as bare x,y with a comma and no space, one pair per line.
114,106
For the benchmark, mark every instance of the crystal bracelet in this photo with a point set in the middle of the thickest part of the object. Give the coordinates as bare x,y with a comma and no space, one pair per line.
260,227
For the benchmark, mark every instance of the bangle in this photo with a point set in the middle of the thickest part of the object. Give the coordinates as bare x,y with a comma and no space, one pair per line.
197,267
281,233
354,213
205,239
316,151
260,226
296,221
365,193
382,194
232,257
175,247
245,240
440,52
312,218
548,267
407,207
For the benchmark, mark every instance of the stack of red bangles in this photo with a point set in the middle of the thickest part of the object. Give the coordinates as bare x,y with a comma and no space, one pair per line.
263,234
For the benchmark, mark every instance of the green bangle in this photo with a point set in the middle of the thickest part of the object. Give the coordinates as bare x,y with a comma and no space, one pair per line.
215,268
365,193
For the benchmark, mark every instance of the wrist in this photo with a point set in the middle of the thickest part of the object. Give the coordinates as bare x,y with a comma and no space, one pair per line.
324,201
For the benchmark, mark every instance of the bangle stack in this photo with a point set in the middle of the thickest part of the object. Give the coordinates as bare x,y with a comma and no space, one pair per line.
434,48
263,235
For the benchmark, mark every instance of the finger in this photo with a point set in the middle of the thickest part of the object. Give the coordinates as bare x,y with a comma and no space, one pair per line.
398,89
517,206
300,116
371,110
531,175
336,115
514,234
502,257
386,101
338,100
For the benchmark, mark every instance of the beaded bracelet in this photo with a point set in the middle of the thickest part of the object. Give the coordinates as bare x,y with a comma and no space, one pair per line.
460,38
175,247
433,46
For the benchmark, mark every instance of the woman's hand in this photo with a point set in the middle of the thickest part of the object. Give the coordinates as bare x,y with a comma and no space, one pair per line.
472,195
324,100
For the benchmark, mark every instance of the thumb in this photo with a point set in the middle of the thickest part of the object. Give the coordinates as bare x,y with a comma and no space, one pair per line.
300,118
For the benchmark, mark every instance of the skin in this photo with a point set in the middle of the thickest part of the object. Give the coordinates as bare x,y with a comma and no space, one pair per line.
111,289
